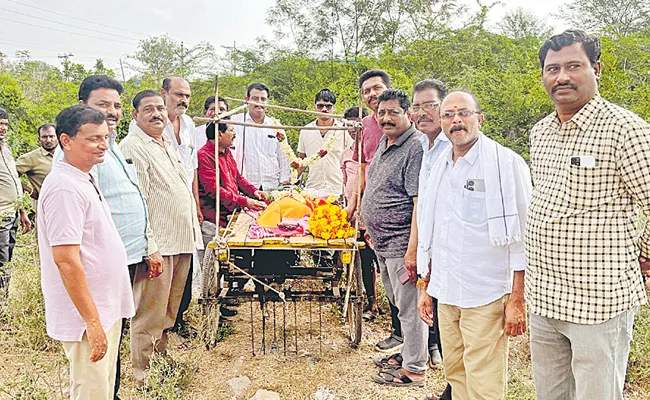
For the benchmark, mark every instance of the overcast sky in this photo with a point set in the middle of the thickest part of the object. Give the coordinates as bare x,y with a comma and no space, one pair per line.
111,30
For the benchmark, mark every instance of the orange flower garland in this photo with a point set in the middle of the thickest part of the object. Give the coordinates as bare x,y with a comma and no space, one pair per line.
329,221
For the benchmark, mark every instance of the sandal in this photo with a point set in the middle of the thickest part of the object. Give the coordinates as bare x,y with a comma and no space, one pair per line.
384,362
388,376
369,315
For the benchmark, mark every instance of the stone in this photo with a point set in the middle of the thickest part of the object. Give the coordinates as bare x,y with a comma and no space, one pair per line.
239,384
262,394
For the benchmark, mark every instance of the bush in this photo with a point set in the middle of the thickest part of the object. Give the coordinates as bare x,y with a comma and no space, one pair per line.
638,369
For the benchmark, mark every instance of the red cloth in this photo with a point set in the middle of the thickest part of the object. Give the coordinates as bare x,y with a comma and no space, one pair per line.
231,183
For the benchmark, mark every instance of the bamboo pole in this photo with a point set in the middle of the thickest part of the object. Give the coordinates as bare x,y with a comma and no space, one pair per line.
254,125
252,103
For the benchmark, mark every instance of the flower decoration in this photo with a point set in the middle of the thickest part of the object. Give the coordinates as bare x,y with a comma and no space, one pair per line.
329,221
322,152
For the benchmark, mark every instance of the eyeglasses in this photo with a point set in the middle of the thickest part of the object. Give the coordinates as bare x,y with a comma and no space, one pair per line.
426,106
391,112
321,106
447,115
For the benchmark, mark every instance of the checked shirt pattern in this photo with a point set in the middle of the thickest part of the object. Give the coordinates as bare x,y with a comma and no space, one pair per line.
582,239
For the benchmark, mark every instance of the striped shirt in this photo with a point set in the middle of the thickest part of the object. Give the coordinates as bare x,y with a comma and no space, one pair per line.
118,183
581,241
163,181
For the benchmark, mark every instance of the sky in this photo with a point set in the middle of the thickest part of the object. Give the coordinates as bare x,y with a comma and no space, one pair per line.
91,30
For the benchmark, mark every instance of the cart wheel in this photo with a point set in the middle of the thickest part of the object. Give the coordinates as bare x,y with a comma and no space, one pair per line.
210,303
355,308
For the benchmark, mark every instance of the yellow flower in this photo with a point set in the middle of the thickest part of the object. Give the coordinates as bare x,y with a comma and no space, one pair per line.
326,235
340,234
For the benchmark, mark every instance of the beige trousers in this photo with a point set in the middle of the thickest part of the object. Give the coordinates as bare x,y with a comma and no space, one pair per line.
475,350
88,380
156,305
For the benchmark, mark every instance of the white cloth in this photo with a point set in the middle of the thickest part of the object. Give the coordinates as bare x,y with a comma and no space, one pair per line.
467,269
186,149
325,176
429,157
199,136
258,154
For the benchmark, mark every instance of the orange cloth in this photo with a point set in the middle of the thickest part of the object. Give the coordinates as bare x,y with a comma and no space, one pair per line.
286,207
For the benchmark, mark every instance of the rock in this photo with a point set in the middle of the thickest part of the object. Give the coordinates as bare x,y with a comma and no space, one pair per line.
323,393
236,366
239,384
265,395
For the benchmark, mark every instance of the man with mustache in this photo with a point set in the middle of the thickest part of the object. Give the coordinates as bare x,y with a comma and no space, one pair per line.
586,261
172,212
10,192
180,132
85,280
388,211
471,243
257,150
118,183
38,163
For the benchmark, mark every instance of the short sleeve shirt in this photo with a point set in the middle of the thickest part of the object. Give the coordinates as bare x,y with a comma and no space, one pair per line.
72,212
36,165
387,207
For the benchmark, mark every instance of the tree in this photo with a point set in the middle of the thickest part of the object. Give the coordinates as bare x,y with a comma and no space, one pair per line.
520,24
617,16
162,56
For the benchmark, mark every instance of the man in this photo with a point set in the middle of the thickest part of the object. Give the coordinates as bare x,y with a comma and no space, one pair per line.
172,213
388,211
257,151
208,112
38,163
118,183
180,133
85,280
471,231
10,192
583,281
425,113
325,177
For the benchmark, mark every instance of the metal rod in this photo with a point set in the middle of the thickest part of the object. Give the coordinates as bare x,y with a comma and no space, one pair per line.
310,337
254,125
295,321
284,326
320,327
263,304
252,329
299,110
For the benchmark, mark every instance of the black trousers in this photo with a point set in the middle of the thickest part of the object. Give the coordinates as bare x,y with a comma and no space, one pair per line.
132,269
185,300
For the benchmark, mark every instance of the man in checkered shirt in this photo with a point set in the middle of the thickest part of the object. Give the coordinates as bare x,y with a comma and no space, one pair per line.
591,169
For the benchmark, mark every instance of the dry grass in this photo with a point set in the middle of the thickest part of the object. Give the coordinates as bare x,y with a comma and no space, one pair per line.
33,367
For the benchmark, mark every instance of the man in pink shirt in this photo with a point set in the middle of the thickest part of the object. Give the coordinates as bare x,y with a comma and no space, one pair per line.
85,279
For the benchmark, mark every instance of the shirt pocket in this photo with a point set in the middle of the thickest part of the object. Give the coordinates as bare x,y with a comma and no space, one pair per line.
473,209
586,187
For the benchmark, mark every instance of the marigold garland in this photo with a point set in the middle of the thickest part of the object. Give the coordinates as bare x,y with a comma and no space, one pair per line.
329,221
296,162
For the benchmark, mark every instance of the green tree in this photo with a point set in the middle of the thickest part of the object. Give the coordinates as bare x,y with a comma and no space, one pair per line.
617,16
520,23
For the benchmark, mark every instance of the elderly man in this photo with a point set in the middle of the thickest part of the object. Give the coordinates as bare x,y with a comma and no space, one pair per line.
257,151
388,210
583,281
208,112
38,163
470,238
325,177
172,212
10,192
85,279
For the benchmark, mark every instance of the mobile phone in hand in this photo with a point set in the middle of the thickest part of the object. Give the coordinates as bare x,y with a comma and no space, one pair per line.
403,275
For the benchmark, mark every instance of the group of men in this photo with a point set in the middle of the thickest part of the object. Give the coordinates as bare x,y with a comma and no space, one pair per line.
462,241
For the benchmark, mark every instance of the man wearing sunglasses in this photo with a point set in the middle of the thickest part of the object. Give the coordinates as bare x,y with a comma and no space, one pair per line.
325,176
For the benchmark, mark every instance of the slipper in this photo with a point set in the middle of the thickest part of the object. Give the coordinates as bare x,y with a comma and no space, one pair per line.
186,345
387,376
385,361
369,315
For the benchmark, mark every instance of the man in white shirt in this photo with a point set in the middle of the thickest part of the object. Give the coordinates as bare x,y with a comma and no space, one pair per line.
471,243
208,111
325,176
257,150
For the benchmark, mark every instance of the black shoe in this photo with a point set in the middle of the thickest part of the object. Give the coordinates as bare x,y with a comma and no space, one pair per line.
392,344
228,312
231,302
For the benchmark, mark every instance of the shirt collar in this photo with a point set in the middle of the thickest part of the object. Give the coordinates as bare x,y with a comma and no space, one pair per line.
74,171
424,139
470,157
405,136
139,133
586,114
44,152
